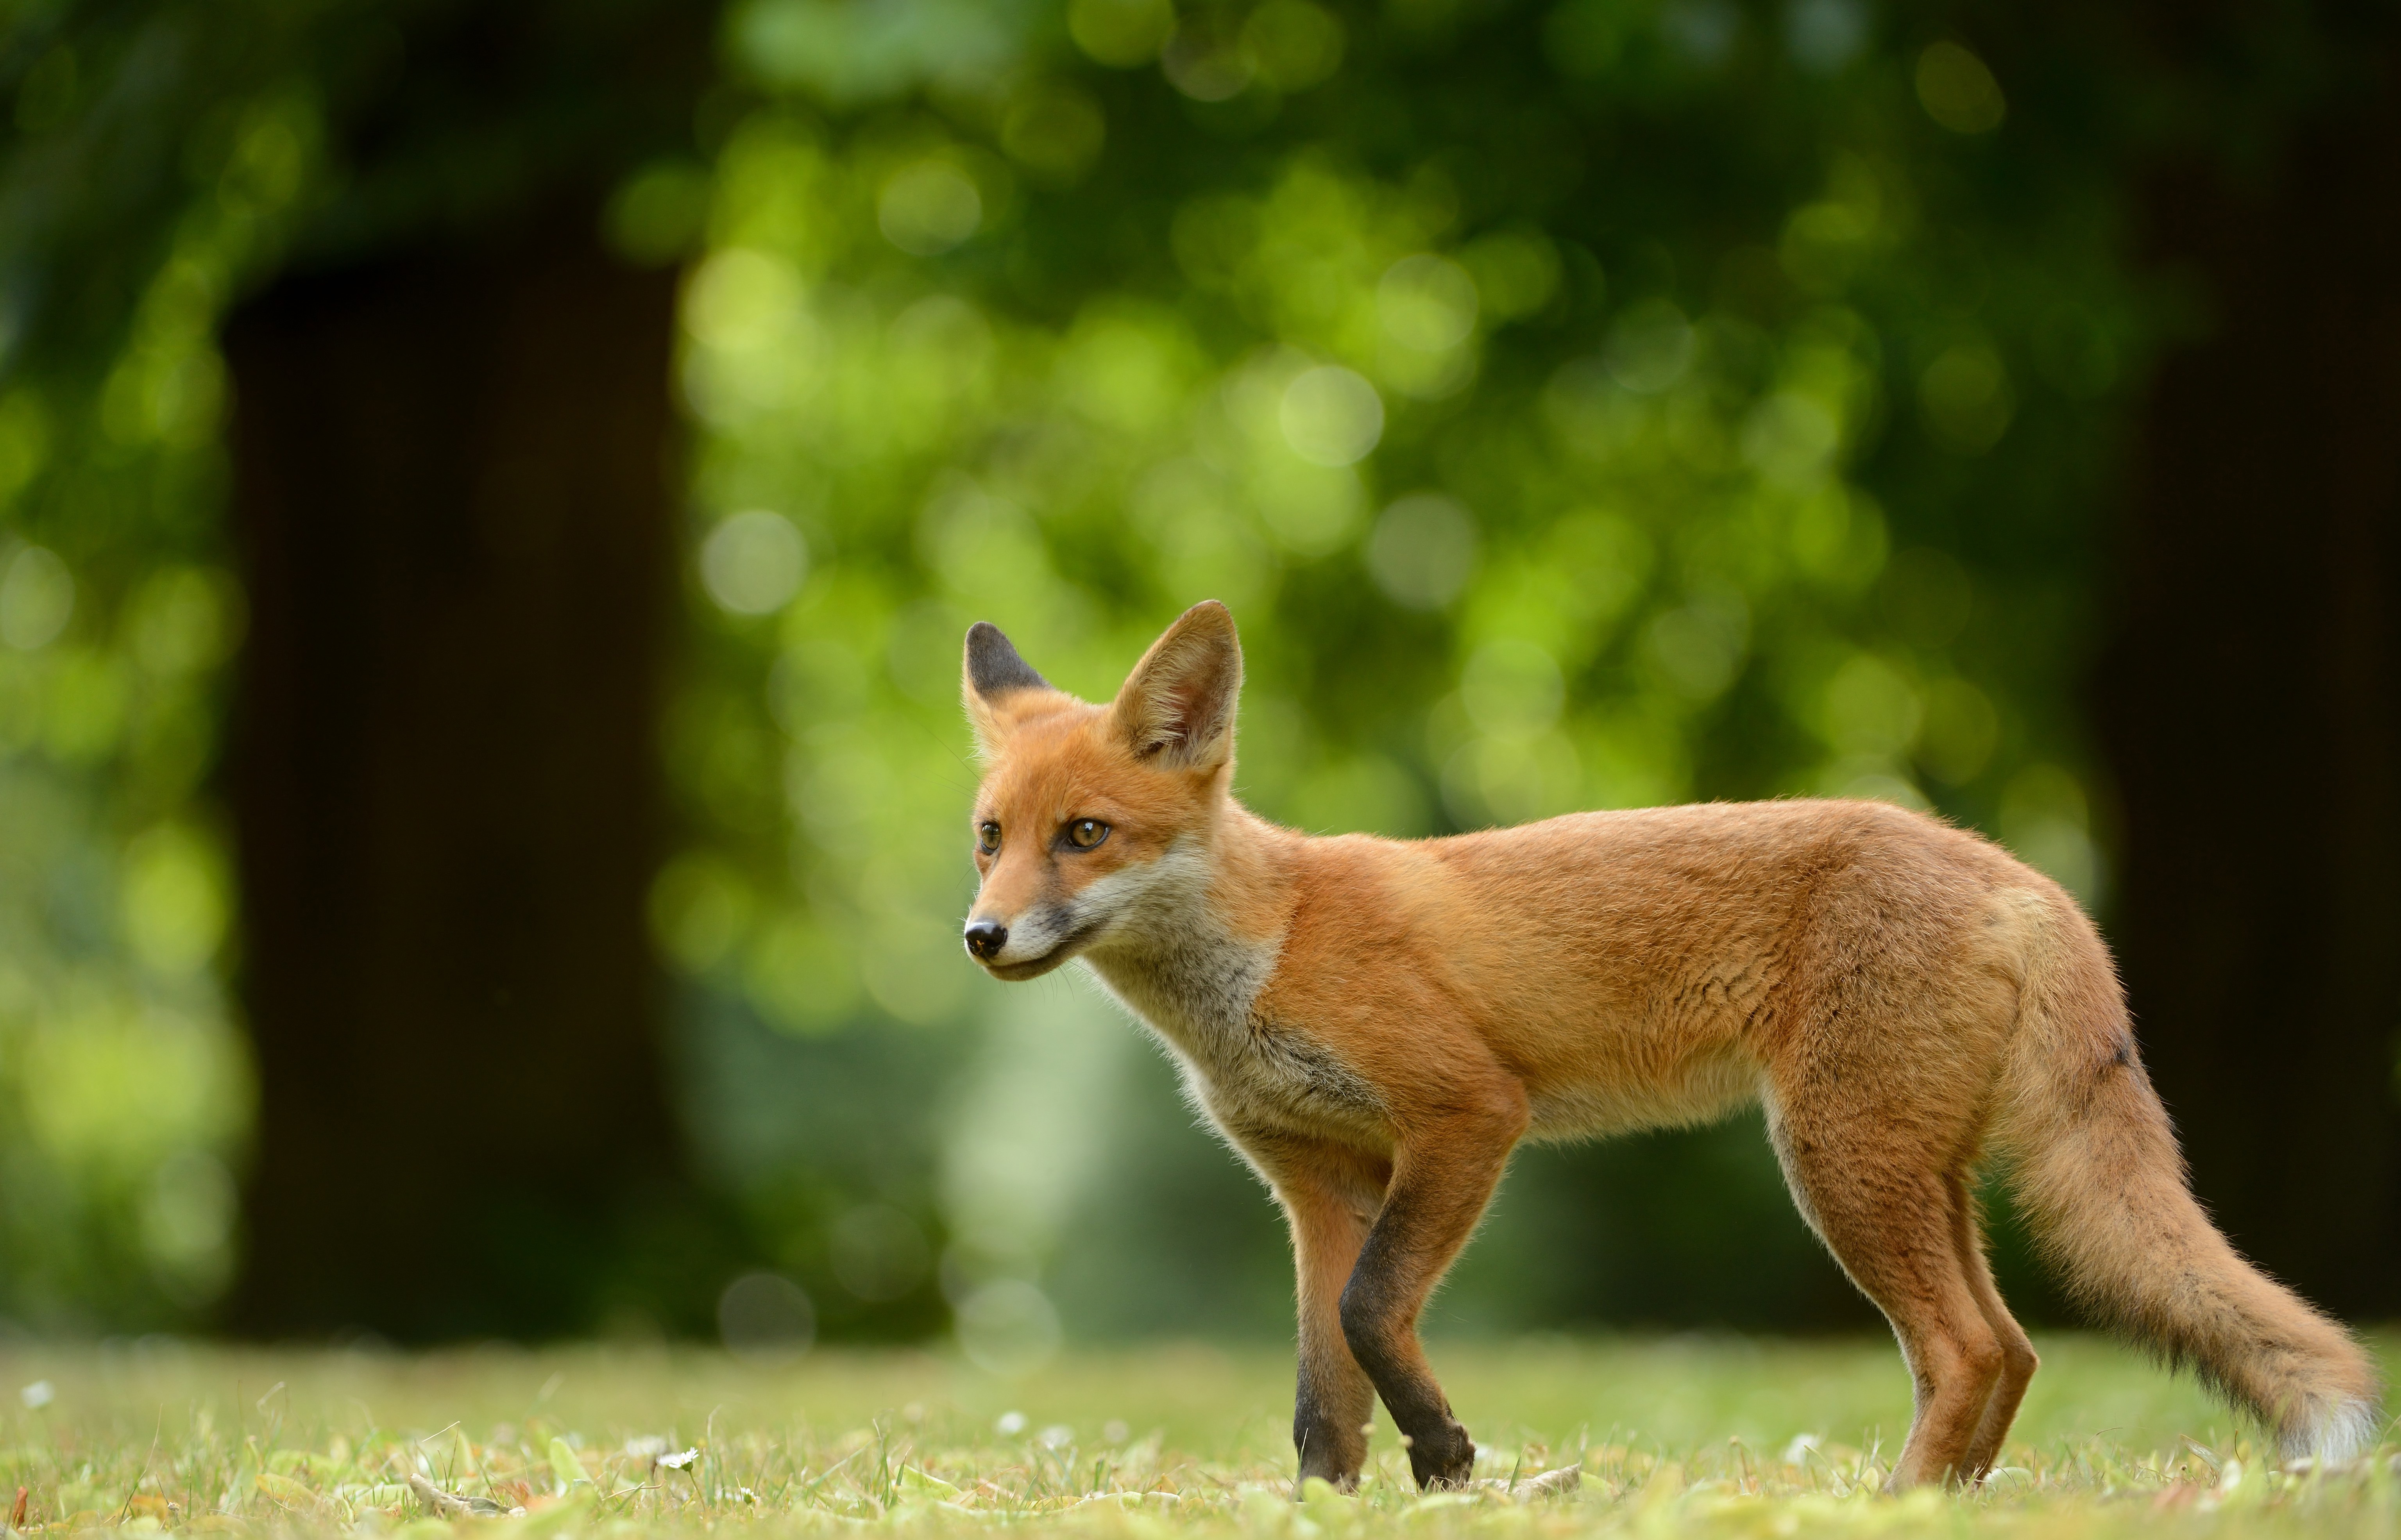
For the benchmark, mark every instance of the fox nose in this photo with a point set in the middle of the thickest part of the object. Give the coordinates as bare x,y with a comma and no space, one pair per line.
986,937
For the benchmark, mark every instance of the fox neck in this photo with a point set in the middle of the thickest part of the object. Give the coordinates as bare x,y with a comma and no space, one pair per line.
1191,954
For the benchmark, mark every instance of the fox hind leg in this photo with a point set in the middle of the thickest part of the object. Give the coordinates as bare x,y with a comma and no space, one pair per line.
1896,1233
2018,1360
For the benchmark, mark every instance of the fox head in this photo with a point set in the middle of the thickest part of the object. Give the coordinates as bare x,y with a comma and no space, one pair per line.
1090,820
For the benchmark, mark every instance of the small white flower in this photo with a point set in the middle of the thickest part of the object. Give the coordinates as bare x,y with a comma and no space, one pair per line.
41,1392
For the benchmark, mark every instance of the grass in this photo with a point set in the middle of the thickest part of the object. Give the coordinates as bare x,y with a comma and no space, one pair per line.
1706,1437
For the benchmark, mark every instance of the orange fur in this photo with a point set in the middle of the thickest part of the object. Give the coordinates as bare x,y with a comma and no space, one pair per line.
1375,1024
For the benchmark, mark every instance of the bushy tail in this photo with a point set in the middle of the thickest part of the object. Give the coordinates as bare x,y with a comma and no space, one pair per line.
2097,1171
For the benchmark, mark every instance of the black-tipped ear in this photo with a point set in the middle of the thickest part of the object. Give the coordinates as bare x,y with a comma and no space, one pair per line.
1177,706
994,672
993,667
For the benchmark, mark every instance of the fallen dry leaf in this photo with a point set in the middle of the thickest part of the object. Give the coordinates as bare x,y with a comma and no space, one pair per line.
1549,1483
450,1505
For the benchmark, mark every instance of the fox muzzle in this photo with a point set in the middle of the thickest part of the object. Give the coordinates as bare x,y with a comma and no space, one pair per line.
1026,945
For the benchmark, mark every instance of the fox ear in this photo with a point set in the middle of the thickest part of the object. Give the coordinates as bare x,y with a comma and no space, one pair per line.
1177,705
993,672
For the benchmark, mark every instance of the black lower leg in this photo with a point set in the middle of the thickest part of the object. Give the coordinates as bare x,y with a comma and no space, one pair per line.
1331,1443
1382,1335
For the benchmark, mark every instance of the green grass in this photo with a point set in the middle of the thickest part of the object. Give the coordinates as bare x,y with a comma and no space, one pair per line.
1711,1437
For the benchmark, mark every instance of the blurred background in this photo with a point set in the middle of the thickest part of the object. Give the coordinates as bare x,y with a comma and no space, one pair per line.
490,494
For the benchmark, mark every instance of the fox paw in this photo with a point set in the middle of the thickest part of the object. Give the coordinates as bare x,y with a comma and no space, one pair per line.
1443,1460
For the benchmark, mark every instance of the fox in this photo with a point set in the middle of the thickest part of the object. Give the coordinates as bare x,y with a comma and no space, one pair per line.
1374,1025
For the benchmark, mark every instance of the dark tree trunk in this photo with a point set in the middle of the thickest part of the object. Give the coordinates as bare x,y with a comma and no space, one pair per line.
453,515
2251,706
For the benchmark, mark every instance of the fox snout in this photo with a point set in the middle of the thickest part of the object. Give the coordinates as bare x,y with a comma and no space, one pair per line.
1026,945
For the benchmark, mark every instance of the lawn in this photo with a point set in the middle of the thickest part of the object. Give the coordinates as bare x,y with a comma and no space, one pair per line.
1710,1437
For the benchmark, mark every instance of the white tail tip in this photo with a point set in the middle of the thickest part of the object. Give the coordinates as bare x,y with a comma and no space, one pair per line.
2336,1434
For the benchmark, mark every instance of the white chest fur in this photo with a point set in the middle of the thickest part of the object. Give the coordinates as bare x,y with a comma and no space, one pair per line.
1255,1077
1197,987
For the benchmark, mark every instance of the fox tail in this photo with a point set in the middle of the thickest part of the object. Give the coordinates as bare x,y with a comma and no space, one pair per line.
2096,1169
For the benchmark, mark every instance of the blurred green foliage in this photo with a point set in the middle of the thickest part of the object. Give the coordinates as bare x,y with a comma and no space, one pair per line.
136,196
161,159
1590,406
1614,406
1580,404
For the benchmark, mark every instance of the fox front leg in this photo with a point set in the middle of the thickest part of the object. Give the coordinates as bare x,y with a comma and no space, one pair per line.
1441,1181
1329,1198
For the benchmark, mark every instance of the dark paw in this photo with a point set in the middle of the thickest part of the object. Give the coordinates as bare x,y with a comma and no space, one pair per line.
1328,1456
1445,1458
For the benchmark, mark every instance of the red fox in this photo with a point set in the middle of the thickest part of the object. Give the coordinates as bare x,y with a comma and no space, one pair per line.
1374,1024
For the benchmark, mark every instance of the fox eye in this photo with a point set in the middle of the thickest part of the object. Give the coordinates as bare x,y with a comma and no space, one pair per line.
988,837
1085,833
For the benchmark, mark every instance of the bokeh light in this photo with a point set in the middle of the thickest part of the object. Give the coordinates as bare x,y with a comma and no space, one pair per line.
753,562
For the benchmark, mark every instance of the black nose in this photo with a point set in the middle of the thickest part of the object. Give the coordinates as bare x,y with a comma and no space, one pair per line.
986,937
